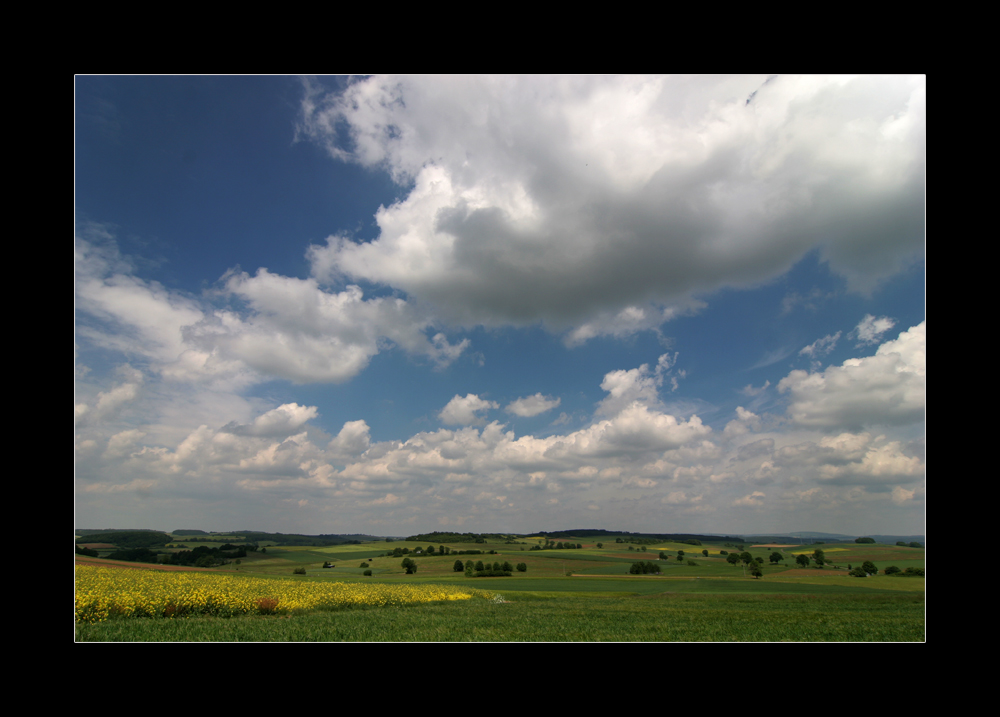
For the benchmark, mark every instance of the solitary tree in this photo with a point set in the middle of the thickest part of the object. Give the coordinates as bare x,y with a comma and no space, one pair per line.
522,567
819,557
705,553
776,556
802,559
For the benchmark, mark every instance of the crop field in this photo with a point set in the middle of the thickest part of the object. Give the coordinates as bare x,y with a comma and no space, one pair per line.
565,595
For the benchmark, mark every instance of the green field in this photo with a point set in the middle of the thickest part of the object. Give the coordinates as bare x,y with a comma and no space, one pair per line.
577,595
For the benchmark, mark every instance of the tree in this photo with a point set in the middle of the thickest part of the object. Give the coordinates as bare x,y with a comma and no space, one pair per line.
705,552
858,573
756,571
776,556
901,543
458,566
600,545
522,567
733,558
802,559
480,566
891,570
819,557
869,567
864,540
916,545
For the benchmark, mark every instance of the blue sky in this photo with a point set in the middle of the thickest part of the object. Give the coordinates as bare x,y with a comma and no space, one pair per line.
392,305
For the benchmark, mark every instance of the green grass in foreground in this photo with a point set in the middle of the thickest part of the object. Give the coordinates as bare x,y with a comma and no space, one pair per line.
537,618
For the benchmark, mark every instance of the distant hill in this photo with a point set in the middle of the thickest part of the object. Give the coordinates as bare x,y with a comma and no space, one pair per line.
625,535
807,536
127,538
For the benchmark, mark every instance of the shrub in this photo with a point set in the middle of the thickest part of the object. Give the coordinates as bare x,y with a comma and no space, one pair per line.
859,572
299,571
522,567
691,562
891,569
265,605
367,572
363,565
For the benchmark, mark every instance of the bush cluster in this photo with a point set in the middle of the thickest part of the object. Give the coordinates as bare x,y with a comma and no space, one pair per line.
644,568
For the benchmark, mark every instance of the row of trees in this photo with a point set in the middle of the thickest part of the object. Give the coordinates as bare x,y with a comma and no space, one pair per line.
552,545
481,569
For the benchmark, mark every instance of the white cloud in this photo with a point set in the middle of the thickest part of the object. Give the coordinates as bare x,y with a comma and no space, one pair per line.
821,347
281,421
750,391
289,328
754,499
637,385
870,330
745,422
532,405
887,388
465,411
572,200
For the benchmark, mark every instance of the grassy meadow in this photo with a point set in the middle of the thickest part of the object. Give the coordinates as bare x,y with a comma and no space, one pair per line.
565,595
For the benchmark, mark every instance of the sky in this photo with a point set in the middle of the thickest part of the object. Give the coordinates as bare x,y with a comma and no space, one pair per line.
396,305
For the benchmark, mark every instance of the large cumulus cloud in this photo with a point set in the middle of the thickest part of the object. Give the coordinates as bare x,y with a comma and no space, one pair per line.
576,200
885,389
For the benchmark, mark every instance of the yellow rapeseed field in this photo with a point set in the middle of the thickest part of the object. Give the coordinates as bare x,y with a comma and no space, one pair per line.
105,592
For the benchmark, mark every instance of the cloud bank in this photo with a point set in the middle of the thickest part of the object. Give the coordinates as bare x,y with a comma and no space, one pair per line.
575,200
